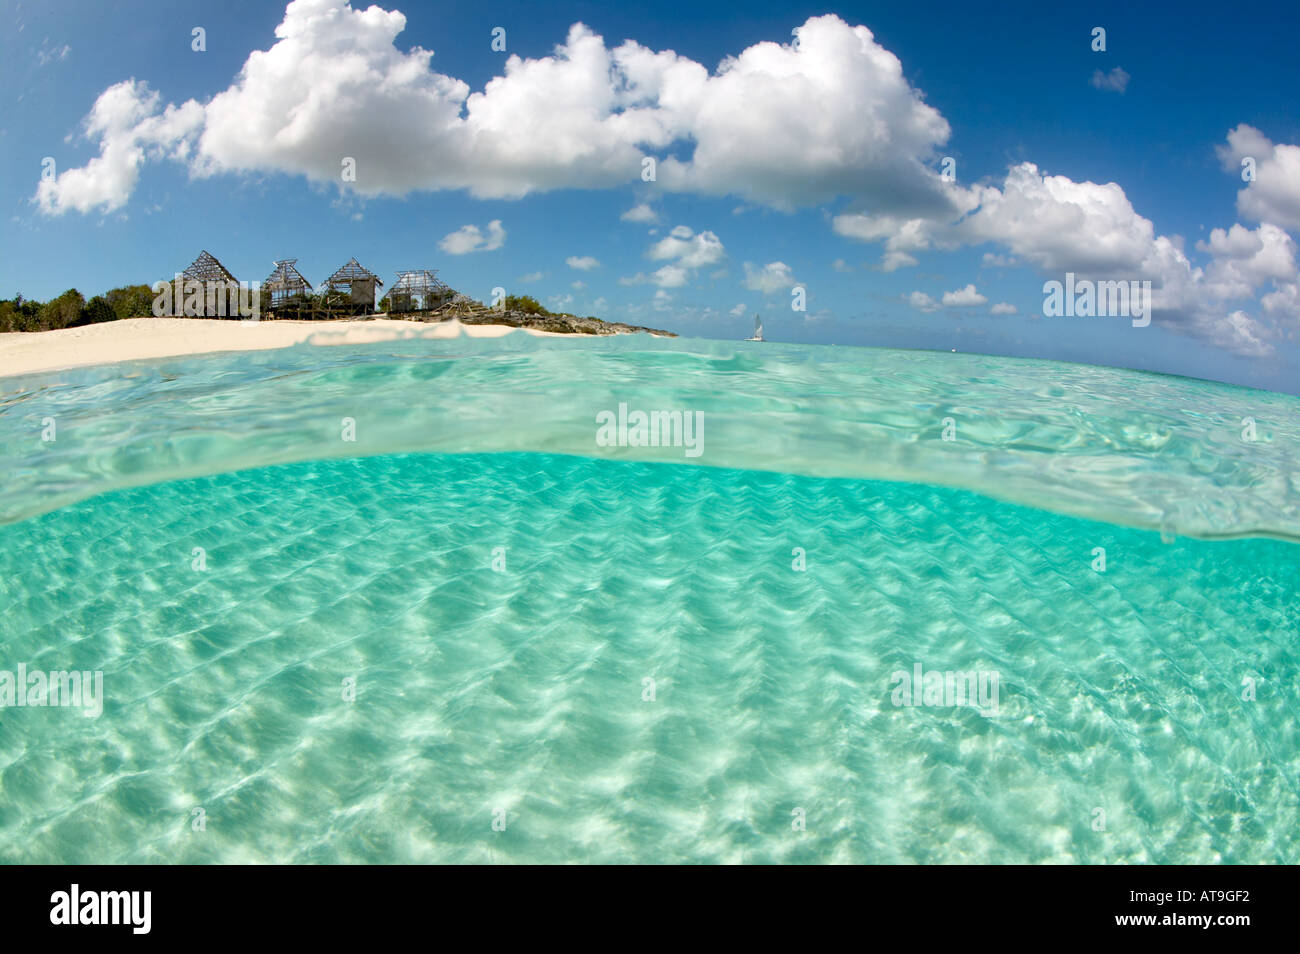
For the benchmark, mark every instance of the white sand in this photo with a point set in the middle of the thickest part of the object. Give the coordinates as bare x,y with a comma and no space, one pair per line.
135,338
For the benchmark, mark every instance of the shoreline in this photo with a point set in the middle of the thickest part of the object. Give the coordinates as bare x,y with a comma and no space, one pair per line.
134,339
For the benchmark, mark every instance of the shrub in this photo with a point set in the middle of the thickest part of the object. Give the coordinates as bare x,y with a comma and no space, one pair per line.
525,303
95,311
62,311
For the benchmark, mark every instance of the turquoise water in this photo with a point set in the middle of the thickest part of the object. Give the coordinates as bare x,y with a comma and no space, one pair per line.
500,597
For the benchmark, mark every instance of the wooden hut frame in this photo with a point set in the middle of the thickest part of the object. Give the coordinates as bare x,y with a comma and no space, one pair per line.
287,289
360,284
462,306
417,290
219,287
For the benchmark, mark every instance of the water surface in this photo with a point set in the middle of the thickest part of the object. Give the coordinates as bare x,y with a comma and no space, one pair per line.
624,659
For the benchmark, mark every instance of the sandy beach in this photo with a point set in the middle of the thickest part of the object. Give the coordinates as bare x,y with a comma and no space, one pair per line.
138,338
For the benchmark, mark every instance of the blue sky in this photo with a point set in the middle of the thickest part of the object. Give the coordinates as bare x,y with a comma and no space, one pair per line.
993,88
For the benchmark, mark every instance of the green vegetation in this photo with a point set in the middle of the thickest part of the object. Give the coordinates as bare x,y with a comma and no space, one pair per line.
71,309
96,310
131,301
525,303
19,314
531,306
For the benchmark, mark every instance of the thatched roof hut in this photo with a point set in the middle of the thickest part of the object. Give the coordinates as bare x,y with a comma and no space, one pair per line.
360,282
286,284
219,288
417,290
206,268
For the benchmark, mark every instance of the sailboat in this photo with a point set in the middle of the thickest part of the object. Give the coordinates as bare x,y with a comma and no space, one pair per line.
758,329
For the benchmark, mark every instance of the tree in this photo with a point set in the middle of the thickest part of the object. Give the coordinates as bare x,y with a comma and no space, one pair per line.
62,311
131,301
525,303
19,314
96,310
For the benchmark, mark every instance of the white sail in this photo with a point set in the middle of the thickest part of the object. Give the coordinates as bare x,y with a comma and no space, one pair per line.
758,329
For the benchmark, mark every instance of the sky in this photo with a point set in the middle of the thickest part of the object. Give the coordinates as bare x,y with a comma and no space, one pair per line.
885,174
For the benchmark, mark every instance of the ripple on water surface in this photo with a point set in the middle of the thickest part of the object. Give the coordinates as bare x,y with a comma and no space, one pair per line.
524,691
1192,458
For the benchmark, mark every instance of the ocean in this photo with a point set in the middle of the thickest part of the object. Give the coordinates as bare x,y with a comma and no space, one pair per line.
621,600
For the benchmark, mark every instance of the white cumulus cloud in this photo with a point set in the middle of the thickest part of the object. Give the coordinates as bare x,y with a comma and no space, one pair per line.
642,213
469,238
770,278
922,302
777,124
1274,194
689,249
130,127
686,251
964,298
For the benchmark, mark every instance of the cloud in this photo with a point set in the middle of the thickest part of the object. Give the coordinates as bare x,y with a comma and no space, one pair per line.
532,277
893,261
670,276
1003,308
841,266
690,250
1283,304
922,302
583,263
775,124
902,236
1116,81
47,54
771,278
641,213
130,127
739,310
964,298
1091,229
686,251
1244,335
468,239
786,125
1057,225
1274,195
1244,259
